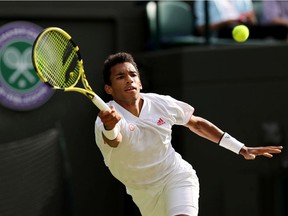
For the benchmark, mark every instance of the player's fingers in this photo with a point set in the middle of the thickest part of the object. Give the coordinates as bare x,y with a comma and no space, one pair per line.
275,151
262,150
276,147
272,151
266,154
250,157
104,113
112,108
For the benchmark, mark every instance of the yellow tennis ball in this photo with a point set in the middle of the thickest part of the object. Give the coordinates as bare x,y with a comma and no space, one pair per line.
240,33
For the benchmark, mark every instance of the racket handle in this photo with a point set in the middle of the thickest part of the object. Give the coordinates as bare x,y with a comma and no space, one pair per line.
100,103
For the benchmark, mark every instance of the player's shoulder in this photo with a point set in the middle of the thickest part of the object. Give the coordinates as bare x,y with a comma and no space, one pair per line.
155,96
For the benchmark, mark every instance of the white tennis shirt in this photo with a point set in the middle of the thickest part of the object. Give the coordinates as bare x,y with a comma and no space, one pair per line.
145,154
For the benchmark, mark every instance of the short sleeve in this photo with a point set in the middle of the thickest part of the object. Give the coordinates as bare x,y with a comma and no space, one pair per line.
180,111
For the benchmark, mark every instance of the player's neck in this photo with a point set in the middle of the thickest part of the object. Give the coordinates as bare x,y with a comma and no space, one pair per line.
134,108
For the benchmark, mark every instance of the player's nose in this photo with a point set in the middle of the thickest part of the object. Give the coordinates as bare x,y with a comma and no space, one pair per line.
129,79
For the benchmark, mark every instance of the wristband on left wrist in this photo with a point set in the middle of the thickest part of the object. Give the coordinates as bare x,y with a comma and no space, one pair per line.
230,143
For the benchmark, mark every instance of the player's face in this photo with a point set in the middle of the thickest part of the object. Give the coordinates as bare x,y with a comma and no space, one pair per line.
125,83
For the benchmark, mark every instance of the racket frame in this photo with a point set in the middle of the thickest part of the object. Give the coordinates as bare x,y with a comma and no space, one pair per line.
87,90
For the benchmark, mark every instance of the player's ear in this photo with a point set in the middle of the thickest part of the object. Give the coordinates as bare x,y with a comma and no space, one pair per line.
108,89
140,85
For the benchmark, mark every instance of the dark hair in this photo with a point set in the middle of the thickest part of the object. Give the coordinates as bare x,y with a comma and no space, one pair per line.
114,59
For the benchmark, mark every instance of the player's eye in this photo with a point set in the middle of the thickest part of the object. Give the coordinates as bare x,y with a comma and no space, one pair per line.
134,74
119,77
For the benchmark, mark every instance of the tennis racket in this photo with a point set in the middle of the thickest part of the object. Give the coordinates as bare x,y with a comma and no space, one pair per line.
58,63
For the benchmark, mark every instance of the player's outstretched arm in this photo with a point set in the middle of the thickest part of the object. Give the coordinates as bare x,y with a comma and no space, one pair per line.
250,153
204,128
208,130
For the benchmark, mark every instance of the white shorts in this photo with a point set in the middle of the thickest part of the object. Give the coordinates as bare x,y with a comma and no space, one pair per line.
179,194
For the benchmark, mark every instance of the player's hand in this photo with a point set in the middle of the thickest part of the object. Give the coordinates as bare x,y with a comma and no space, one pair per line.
109,118
250,153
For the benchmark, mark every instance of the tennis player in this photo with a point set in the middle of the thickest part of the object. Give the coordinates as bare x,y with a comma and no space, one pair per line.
135,140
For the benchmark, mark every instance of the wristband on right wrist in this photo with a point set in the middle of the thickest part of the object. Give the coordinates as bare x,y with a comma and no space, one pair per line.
113,133
230,143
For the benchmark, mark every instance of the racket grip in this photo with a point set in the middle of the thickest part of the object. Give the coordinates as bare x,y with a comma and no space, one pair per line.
100,103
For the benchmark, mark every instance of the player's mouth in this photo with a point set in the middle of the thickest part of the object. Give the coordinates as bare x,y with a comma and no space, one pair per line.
130,88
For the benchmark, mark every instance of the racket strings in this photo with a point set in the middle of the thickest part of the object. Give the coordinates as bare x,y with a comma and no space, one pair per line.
58,60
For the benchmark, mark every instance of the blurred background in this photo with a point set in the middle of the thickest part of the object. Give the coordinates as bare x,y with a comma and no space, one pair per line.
49,162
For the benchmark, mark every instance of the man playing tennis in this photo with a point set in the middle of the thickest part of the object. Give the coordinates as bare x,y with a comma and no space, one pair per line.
135,140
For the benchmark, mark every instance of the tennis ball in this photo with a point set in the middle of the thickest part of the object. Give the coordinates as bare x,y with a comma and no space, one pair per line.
240,33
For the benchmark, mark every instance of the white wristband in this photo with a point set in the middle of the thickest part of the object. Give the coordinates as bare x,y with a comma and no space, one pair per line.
231,143
112,134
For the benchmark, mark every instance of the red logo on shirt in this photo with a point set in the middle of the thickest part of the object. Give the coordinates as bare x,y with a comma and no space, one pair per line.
131,127
160,121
